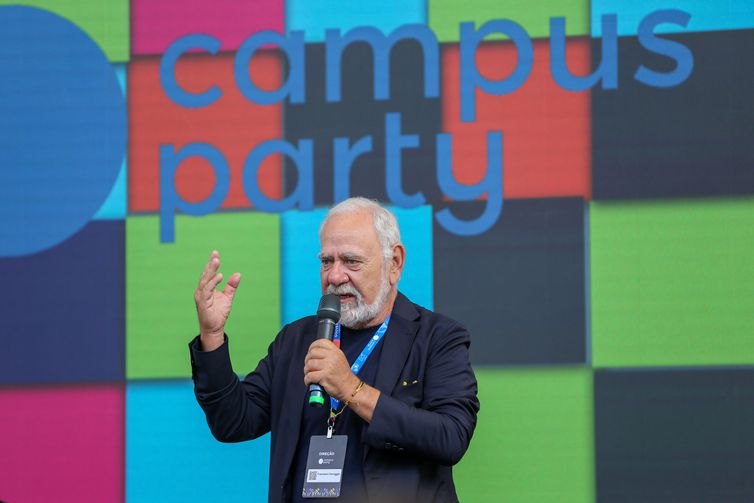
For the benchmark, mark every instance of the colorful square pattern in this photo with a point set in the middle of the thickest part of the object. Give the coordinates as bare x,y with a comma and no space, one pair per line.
610,303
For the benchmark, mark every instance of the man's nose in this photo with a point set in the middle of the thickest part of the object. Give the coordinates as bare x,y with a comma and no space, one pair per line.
337,275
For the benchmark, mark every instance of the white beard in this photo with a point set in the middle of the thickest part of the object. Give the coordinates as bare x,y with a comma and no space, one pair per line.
356,313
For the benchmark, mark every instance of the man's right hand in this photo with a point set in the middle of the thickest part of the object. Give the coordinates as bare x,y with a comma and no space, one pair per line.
212,306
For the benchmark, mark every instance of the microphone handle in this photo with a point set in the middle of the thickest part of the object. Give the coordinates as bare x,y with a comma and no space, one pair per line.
325,329
316,395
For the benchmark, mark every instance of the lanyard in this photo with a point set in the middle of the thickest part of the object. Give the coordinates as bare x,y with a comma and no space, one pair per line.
359,363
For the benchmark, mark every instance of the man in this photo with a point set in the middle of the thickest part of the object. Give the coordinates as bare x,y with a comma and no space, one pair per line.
406,413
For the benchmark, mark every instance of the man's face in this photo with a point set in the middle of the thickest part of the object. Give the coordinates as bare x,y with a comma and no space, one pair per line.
352,267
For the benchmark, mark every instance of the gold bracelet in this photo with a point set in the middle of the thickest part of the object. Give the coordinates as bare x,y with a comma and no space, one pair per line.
358,388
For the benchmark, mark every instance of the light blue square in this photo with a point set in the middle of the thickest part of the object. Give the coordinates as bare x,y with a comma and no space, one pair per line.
114,207
314,17
171,455
300,266
706,15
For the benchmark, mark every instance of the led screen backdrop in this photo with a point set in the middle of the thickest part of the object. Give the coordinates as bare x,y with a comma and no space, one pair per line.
574,181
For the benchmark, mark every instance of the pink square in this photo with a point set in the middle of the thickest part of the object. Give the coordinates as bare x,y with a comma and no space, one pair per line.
62,443
156,25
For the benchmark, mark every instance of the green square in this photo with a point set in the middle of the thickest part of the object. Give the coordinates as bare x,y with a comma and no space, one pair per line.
161,279
105,21
533,441
672,282
534,16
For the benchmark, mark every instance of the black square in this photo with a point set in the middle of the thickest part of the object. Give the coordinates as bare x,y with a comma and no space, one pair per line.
693,139
519,287
675,436
358,114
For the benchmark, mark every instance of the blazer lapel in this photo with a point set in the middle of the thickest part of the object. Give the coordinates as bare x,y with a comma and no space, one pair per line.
397,344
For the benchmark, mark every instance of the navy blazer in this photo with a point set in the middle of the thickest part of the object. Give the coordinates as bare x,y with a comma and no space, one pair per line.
422,424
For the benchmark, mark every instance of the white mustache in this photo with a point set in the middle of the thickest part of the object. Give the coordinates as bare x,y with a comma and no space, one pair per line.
344,289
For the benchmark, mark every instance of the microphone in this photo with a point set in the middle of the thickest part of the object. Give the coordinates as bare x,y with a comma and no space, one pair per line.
328,315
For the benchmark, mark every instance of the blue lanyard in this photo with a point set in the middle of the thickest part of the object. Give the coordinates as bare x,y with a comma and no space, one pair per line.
359,363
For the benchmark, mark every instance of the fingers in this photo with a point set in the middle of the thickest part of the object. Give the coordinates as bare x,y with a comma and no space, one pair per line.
325,360
313,378
323,343
232,284
210,278
315,354
210,270
321,348
211,285
320,351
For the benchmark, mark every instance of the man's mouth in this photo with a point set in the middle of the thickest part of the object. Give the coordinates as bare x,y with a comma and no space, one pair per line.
346,297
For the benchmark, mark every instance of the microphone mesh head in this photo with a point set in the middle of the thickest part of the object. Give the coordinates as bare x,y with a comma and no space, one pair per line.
329,307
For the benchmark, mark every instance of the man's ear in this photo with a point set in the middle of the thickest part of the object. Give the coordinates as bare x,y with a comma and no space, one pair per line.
397,263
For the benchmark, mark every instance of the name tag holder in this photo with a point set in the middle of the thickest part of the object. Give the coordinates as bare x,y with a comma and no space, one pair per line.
324,466
327,453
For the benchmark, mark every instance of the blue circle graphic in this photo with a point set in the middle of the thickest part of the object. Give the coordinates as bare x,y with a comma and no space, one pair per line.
63,126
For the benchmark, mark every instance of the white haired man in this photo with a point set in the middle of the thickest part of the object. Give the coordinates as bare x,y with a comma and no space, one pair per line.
403,394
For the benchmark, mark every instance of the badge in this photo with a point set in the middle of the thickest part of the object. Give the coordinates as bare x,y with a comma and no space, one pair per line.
324,466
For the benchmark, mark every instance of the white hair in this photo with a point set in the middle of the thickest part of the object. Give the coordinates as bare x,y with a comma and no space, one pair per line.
385,223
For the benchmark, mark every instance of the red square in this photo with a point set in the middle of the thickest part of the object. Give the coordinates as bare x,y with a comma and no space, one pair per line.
546,129
232,124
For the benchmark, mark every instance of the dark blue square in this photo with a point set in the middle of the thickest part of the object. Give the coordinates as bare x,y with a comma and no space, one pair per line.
64,310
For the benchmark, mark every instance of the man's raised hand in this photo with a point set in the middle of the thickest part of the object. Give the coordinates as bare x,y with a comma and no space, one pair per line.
213,306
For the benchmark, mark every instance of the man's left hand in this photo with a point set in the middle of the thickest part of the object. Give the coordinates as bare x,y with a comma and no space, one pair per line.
325,364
